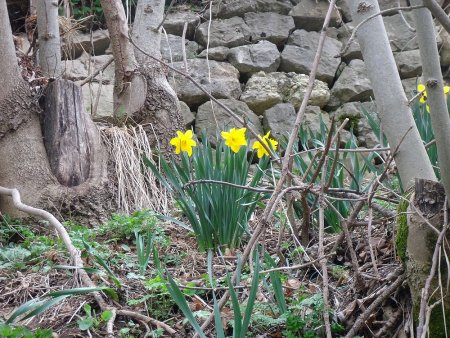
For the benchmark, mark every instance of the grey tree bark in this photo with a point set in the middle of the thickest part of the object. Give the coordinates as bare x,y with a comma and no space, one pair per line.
49,39
420,251
394,112
24,164
142,93
434,82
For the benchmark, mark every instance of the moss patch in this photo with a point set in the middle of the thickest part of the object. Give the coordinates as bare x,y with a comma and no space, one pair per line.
436,326
401,238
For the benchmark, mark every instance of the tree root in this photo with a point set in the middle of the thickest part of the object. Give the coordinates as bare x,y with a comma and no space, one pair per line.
78,262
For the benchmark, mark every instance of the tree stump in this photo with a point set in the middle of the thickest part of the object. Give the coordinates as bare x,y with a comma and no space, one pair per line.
427,206
65,128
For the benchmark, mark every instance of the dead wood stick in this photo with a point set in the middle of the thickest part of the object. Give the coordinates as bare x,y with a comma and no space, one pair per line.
374,306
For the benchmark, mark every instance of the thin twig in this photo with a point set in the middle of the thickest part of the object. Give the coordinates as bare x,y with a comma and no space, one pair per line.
426,288
165,15
146,319
183,47
298,266
110,324
438,13
98,71
373,307
386,11
323,262
227,183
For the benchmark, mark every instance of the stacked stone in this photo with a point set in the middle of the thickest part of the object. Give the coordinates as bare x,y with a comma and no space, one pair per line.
256,56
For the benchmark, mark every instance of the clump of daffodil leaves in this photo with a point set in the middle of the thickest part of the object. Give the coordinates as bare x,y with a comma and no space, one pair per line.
422,117
218,213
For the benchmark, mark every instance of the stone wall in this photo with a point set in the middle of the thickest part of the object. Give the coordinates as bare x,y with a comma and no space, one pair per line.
258,58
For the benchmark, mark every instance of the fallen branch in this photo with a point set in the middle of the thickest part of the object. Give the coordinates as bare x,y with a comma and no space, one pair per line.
374,306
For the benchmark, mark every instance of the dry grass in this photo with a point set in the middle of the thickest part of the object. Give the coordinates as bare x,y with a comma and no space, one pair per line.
137,187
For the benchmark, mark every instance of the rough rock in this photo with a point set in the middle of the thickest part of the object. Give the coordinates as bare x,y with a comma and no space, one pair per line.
95,44
310,14
358,121
279,119
188,115
313,116
74,69
298,55
400,36
224,77
263,91
105,107
174,23
253,58
344,10
353,50
216,53
208,114
228,8
231,32
445,48
410,86
409,63
269,26
353,84
171,48
85,65
387,4
297,87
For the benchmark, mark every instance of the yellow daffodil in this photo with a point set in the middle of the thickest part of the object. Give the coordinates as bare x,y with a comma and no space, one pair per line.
235,138
423,95
183,142
261,151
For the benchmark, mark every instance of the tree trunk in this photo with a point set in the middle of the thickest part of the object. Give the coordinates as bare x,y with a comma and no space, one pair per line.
435,89
65,128
394,112
24,164
141,93
428,200
49,40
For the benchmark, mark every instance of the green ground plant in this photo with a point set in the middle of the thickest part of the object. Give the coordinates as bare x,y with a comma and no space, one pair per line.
217,212
91,320
345,170
11,331
242,319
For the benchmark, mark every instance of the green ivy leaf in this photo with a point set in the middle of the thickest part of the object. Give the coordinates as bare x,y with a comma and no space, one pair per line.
85,324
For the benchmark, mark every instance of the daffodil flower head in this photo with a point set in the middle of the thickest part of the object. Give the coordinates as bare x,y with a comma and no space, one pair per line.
269,142
183,142
235,138
423,93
